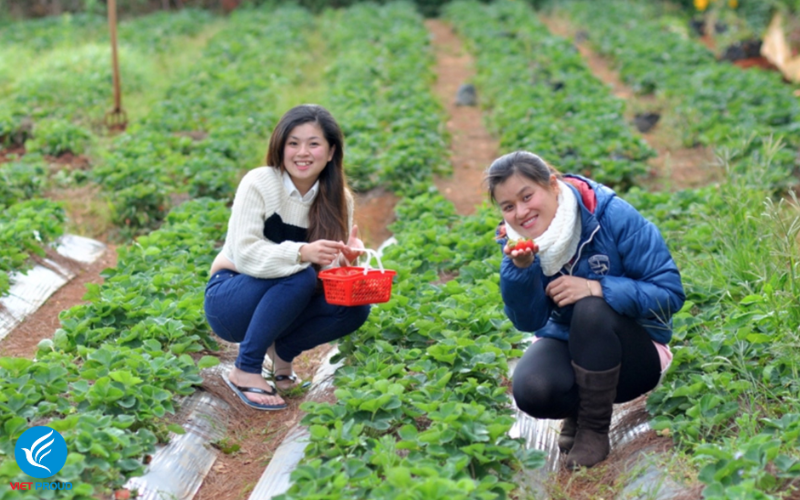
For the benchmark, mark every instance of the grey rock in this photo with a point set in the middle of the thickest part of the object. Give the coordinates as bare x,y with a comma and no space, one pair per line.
646,121
466,95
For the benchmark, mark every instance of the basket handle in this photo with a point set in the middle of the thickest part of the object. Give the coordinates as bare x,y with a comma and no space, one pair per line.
370,254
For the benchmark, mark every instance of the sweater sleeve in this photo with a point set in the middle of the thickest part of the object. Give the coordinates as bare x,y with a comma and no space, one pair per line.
257,198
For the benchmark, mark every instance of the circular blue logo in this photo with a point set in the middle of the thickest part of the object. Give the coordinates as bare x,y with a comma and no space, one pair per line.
40,451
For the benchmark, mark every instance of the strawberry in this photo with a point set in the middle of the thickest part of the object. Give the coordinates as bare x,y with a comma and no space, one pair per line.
522,244
526,244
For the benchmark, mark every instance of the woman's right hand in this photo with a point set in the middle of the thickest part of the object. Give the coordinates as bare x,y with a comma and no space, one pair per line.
521,258
322,252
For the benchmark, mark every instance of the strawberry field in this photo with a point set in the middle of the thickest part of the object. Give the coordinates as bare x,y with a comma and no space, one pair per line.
421,405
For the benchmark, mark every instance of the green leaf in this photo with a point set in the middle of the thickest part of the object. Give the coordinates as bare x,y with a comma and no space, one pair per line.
125,377
207,362
15,425
177,429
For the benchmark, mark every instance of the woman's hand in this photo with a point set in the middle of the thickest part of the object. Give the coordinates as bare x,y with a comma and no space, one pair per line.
521,258
567,290
350,252
322,252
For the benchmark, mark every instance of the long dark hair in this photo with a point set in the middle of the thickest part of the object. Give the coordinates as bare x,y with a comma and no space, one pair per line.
524,163
327,218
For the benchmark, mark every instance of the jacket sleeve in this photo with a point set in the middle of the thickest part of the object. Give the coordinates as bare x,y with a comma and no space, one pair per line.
526,304
650,286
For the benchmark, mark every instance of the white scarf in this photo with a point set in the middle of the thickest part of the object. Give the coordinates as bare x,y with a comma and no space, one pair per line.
559,242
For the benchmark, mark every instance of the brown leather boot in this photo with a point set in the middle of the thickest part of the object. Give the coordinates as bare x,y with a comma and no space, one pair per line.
596,393
569,426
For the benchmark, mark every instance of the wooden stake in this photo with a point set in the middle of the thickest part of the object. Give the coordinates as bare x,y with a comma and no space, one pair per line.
116,119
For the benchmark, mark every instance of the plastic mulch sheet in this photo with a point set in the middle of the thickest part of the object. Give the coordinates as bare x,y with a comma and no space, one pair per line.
276,477
178,469
30,290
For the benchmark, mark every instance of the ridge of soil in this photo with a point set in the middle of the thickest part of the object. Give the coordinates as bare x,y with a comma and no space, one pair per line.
472,147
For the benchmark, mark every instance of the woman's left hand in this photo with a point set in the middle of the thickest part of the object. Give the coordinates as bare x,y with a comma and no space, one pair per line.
353,243
567,290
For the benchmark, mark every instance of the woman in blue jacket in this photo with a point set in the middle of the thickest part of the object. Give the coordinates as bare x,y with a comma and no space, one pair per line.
599,293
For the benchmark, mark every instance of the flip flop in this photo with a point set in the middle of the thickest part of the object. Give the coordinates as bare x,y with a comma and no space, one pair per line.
292,378
239,391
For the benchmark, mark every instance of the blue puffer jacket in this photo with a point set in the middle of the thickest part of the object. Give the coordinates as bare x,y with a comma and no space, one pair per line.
619,248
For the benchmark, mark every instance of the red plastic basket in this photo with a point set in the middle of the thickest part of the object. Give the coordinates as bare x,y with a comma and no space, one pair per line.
351,286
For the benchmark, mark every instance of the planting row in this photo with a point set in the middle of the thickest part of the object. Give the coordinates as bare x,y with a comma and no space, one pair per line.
109,378
208,127
421,411
541,96
711,103
379,82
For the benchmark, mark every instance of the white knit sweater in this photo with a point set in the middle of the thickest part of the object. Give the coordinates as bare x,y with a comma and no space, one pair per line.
259,197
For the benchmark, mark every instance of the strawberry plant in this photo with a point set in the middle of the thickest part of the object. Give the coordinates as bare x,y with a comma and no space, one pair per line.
380,93
55,137
25,229
109,379
541,96
727,398
710,103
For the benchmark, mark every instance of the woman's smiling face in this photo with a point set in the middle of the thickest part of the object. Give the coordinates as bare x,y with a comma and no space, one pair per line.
526,206
306,154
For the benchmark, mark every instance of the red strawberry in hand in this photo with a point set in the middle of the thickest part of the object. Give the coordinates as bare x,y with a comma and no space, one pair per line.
522,244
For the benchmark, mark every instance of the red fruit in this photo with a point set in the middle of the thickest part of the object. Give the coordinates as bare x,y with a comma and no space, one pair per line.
122,494
528,245
522,244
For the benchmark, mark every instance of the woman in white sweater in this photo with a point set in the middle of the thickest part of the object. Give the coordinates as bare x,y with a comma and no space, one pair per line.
288,220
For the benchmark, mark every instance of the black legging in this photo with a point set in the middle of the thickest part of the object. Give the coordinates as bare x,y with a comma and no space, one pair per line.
599,339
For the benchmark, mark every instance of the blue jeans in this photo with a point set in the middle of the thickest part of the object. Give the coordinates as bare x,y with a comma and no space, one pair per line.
288,311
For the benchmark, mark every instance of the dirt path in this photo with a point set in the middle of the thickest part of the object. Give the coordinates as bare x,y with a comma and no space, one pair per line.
674,167
472,148
22,340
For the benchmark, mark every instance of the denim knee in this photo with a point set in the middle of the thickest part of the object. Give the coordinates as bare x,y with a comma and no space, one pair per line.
305,280
360,314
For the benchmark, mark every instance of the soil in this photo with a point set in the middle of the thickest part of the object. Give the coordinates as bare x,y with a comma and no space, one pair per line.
374,212
11,153
472,148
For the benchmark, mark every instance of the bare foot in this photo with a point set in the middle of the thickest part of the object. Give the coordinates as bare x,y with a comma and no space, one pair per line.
244,379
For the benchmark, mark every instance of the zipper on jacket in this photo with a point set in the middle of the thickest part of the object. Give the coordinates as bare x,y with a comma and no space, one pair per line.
578,258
